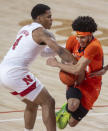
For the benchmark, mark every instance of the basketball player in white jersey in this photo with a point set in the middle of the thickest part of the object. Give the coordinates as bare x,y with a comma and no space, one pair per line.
15,75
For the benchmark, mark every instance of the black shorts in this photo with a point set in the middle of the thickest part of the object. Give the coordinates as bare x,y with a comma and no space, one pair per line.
81,111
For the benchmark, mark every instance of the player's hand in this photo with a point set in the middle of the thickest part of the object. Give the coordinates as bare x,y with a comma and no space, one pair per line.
97,73
52,62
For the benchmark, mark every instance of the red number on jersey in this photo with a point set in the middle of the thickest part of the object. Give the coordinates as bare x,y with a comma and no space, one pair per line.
16,42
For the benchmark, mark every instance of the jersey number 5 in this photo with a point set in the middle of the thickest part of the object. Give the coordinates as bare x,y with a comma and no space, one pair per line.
16,42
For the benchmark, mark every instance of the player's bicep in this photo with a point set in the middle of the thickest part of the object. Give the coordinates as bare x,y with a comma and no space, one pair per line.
42,35
47,37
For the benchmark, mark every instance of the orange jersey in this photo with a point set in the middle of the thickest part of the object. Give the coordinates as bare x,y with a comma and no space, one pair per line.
90,87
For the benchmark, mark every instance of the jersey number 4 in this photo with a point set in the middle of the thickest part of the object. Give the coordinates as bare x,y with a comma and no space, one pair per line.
16,42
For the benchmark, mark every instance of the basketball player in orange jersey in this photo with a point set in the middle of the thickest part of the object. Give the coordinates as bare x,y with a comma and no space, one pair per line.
14,72
88,51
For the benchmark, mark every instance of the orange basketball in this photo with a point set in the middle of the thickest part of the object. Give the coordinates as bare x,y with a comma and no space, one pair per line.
67,78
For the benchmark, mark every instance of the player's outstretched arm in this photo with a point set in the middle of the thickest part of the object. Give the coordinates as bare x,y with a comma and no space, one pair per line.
42,35
70,68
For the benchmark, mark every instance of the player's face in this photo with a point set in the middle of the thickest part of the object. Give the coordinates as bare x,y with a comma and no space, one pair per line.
83,40
46,19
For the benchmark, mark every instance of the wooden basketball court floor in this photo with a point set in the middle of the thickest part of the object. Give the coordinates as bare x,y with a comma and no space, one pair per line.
13,15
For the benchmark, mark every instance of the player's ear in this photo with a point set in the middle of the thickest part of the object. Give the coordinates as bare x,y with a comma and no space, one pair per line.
39,18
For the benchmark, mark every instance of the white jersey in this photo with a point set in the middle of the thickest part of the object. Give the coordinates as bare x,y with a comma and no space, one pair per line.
14,73
25,49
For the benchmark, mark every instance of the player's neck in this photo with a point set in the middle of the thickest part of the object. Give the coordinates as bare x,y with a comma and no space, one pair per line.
37,21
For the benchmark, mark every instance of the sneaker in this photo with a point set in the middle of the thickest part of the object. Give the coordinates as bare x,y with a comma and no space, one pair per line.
62,117
60,112
63,120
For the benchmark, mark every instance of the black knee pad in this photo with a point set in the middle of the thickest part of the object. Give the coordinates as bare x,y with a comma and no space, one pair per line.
73,93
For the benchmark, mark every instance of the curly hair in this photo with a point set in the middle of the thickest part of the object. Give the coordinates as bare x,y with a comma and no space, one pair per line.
84,24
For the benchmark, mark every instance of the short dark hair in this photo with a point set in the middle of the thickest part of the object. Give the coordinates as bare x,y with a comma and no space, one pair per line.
84,24
39,9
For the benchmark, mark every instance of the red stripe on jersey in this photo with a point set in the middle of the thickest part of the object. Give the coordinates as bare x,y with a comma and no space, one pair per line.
25,92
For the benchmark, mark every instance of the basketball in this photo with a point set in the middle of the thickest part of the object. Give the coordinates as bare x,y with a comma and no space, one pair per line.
67,78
